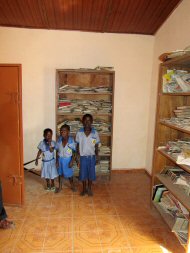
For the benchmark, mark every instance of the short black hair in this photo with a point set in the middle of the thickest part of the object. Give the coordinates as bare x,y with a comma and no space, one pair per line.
65,126
87,116
47,130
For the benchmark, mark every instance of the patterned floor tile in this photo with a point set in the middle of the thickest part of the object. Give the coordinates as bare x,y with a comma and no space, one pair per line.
108,222
29,243
86,241
113,239
34,225
60,225
85,224
58,242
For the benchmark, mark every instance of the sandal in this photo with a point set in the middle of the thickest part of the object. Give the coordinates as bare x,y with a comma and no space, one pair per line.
57,190
83,193
48,189
5,224
53,189
90,193
73,189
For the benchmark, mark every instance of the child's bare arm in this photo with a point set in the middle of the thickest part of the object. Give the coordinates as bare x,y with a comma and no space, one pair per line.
77,154
37,157
96,153
57,159
71,162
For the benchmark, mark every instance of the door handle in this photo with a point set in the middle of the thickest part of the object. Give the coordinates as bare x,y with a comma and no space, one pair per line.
16,179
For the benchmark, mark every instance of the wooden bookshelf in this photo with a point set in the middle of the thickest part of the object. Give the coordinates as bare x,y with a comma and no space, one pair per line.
87,78
164,132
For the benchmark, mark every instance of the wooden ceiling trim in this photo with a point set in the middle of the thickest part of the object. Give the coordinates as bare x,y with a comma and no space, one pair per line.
115,16
123,15
166,12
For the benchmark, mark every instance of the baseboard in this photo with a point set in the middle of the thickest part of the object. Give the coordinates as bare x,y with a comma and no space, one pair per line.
123,171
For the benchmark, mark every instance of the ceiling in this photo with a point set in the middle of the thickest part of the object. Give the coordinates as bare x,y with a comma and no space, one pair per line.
111,16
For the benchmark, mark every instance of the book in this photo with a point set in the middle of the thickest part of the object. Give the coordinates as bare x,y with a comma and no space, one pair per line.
181,225
184,86
158,193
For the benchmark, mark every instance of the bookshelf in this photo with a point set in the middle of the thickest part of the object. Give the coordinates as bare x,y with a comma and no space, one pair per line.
81,91
170,127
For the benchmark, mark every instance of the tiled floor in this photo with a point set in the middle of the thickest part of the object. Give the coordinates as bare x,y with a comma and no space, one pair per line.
117,219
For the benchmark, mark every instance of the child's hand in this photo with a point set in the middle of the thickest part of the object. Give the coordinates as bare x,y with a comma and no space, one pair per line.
36,162
97,159
51,148
71,164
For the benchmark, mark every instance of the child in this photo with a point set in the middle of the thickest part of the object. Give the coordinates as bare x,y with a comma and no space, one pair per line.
65,147
87,139
46,148
4,223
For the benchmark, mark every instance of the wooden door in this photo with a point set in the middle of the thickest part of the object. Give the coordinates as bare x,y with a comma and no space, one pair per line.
11,136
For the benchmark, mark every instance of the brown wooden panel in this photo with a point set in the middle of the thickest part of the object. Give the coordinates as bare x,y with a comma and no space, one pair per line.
121,16
23,13
11,147
139,16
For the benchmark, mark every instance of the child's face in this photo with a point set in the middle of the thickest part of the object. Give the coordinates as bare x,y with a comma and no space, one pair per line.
87,122
64,132
48,136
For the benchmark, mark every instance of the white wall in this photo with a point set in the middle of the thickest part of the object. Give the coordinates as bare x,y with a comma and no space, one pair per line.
42,51
173,35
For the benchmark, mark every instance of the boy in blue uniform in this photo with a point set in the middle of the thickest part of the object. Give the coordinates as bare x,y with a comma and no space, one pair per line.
65,147
87,140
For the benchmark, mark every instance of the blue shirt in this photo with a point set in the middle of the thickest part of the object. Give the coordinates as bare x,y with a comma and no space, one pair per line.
66,151
46,154
87,143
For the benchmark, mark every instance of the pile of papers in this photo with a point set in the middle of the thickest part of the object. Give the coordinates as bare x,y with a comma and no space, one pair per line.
175,81
84,106
173,207
178,122
104,150
179,177
78,89
101,126
182,112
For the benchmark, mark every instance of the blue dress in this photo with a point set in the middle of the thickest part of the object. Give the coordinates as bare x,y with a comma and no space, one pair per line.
49,169
65,156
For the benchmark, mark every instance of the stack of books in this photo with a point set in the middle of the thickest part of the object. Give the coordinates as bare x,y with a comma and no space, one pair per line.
182,112
169,204
175,81
78,89
100,125
179,177
178,122
84,106
104,150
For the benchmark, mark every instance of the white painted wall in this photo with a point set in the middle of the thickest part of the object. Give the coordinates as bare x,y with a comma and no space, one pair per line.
173,35
42,51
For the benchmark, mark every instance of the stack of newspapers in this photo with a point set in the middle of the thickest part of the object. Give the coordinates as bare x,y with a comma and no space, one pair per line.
84,106
78,89
100,125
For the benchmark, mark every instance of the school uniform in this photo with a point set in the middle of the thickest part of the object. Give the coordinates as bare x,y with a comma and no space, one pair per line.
87,153
65,156
49,169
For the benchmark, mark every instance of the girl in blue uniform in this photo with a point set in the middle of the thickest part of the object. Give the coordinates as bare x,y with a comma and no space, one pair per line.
46,148
87,140
65,147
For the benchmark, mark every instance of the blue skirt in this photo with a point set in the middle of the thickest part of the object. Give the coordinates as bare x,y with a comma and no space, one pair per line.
49,169
64,167
87,168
